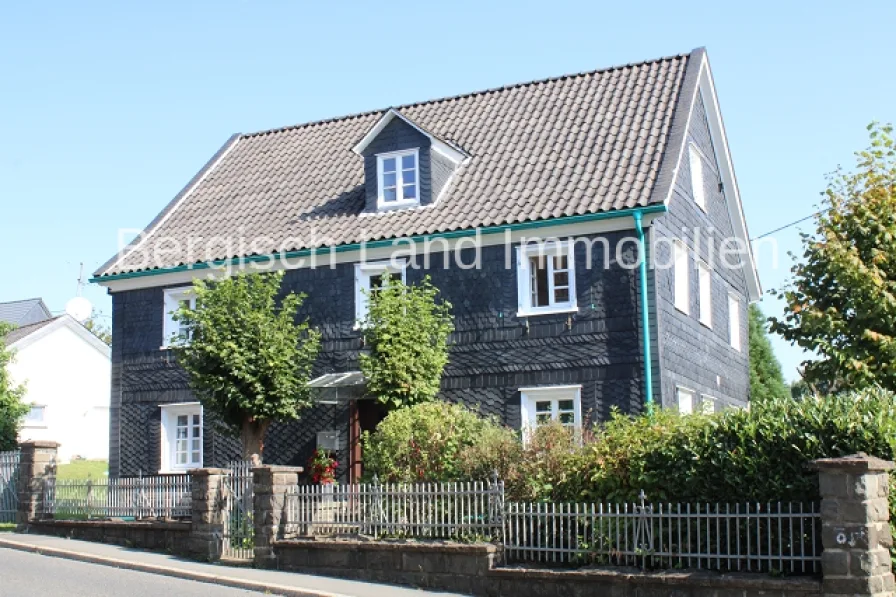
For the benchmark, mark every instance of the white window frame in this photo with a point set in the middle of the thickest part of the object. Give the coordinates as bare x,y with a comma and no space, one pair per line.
168,438
685,407
734,338
681,266
30,423
704,286
363,273
529,396
170,328
400,201
698,188
524,281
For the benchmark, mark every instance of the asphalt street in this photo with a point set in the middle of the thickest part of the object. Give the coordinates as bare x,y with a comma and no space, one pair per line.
32,575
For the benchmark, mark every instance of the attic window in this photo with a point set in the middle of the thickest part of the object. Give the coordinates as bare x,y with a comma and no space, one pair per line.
397,176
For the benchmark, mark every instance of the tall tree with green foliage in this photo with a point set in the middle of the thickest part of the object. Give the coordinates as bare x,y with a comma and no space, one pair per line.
766,380
248,359
12,409
841,302
406,333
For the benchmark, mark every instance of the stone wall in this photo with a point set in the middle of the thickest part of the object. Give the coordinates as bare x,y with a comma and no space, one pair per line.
471,569
159,536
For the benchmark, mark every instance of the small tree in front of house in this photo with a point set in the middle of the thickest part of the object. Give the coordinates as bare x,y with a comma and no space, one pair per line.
12,409
248,359
406,335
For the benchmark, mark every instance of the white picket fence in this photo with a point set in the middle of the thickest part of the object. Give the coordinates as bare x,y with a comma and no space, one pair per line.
9,474
425,510
159,497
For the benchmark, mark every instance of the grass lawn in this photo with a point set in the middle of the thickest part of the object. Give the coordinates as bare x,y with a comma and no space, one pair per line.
7,527
82,469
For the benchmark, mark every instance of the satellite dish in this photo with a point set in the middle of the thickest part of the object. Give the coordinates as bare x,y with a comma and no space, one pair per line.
79,308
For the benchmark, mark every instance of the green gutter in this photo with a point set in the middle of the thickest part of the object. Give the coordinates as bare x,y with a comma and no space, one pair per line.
637,211
645,315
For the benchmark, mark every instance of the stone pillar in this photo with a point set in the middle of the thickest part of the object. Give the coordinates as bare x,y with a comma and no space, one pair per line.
855,526
36,464
209,500
270,486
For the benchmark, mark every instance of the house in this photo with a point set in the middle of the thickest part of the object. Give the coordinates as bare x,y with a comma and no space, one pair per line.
524,204
66,372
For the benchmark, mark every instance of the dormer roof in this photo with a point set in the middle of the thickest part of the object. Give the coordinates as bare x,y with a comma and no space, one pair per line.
447,148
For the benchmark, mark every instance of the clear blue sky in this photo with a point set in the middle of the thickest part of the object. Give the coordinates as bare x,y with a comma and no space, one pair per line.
108,109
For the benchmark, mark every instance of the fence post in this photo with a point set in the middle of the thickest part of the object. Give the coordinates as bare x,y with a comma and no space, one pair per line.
36,463
209,496
269,504
855,532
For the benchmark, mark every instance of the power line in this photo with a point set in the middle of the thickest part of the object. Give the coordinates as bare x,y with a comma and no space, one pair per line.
786,226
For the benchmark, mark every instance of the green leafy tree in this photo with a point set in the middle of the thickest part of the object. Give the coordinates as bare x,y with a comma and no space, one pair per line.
406,333
766,381
12,409
248,359
841,303
99,329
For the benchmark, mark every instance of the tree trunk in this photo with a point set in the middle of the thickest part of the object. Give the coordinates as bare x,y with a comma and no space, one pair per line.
252,436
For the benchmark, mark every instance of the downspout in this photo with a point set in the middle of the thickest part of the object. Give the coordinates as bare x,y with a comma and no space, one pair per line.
645,313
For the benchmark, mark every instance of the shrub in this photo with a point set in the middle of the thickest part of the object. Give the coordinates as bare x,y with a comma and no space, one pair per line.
422,442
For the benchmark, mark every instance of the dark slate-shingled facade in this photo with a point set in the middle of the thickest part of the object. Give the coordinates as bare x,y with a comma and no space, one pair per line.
623,149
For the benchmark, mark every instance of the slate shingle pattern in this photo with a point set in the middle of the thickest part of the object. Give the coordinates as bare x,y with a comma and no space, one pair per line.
572,145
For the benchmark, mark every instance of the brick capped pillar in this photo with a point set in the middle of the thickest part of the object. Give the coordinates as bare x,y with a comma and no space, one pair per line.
36,463
270,485
855,526
209,500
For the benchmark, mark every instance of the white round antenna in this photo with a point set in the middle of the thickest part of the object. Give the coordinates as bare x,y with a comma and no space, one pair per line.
79,308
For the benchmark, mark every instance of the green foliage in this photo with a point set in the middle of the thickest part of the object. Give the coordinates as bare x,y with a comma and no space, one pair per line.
841,303
422,442
248,360
12,409
766,381
99,329
406,333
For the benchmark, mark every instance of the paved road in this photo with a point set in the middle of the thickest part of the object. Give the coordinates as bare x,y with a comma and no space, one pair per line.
32,575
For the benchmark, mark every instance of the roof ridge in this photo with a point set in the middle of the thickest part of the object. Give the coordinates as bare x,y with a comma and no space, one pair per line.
37,298
465,95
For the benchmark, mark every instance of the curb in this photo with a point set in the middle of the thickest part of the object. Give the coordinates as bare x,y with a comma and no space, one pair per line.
224,581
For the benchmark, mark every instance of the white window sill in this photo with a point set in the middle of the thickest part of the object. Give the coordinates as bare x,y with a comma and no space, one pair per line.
182,471
39,426
706,324
682,310
396,205
547,311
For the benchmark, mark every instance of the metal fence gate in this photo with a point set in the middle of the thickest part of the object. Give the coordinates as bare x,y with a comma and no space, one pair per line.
239,526
9,475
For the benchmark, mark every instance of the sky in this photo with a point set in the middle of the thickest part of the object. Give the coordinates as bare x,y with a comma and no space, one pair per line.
108,109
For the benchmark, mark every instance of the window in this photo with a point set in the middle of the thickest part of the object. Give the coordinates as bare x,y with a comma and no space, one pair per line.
704,280
734,321
539,406
181,437
369,277
681,276
35,416
685,399
707,405
176,332
546,278
397,177
697,188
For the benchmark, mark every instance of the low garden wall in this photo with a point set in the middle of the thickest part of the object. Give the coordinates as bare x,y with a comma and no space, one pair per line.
473,569
155,535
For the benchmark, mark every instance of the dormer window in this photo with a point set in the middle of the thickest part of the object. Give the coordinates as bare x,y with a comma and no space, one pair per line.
398,179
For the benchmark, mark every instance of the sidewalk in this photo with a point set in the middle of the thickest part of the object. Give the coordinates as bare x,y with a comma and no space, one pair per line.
269,581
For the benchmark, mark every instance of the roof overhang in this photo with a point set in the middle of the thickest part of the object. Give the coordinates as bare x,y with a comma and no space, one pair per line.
335,388
449,150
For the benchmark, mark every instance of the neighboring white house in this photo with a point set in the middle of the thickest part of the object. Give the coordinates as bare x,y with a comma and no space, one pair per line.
66,370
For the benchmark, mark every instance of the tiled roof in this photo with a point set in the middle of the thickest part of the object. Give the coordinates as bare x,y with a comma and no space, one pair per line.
571,145
23,312
26,330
